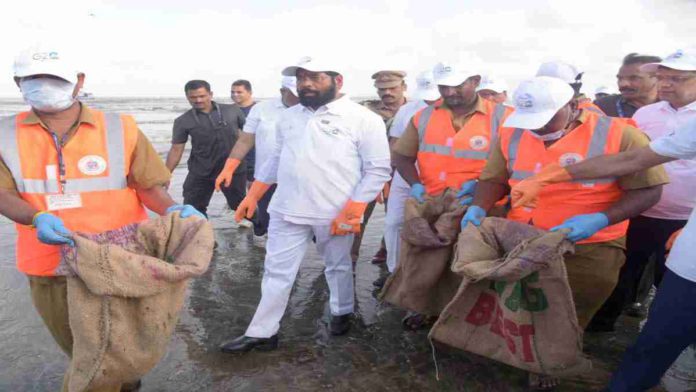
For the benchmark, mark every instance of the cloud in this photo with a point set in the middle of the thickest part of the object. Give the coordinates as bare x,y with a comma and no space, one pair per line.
134,48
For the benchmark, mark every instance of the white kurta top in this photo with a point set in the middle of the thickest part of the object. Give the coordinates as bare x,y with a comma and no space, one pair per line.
261,122
325,157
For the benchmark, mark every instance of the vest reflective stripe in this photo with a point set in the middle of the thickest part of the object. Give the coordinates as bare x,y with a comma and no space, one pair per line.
423,122
424,119
495,121
513,147
9,150
471,154
435,148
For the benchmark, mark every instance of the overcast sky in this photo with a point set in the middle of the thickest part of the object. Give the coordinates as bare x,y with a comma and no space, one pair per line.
152,47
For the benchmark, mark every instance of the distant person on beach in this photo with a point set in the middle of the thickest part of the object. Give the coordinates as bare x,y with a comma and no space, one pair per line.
331,159
259,133
67,168
242,96
213,128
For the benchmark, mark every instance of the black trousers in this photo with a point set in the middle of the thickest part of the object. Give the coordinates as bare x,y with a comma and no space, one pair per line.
198,191
646,239
261,217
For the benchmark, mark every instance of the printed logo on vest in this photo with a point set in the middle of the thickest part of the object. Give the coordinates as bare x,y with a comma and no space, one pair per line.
478,142
92,165
569,158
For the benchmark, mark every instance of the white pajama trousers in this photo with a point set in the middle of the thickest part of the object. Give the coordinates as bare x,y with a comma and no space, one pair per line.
285,249
398,195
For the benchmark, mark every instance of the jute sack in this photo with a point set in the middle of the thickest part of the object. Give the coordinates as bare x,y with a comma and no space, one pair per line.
125,290
423,281
514,304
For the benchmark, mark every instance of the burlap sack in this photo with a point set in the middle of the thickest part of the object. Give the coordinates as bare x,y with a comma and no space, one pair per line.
423,281
514,304
124,295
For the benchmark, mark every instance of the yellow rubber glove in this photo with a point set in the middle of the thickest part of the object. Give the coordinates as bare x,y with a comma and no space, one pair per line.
248,206
349,219
526,192
227,173
672,238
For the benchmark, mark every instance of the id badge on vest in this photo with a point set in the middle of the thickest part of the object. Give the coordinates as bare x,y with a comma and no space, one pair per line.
63,201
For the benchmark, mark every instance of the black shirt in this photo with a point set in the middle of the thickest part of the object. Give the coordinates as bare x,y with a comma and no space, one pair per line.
615,106
212,137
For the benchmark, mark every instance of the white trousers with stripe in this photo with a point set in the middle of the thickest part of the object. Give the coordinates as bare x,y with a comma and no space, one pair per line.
285,249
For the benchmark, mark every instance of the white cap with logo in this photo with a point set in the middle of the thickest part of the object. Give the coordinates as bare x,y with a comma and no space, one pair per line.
537,100
426,89
45,59
681,60
492,83
311,64
450,75
560,70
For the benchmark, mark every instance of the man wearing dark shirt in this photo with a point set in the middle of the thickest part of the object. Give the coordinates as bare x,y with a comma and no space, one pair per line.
637,88
241,94
213,129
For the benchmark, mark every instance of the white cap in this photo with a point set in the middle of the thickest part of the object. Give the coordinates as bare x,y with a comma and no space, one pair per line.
311,64
445,74
537,100
290,83
492,83
681,60
426,89
602,90
560,70
45,59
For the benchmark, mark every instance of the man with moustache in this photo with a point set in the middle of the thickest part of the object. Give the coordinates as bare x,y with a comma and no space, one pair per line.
637,87
648,232
331,159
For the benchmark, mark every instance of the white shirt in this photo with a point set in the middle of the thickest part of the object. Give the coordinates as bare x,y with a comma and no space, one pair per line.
401,120
682,144
262,123
677,201
325,157
403,117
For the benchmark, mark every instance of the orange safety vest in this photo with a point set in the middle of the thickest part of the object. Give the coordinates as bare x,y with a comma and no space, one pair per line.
526,154
95,164
446,157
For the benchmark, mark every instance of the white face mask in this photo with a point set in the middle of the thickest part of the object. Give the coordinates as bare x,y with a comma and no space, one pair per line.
47,94
549,137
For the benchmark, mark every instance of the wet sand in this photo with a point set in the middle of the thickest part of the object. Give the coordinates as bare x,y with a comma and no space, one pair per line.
376,355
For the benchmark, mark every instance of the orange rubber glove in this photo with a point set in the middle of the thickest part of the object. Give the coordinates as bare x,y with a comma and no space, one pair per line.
227,173
672,238
349,219
248,206
384,194
526,192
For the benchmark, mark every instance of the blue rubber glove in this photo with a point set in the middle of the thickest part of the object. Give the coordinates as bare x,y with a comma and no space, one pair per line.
473,215
185,210
50,230
466,192
583,226
418,192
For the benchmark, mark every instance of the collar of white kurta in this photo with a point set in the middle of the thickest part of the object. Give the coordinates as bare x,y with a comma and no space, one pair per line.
664,105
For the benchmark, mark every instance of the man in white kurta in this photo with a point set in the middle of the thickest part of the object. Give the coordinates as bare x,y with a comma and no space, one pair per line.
330,160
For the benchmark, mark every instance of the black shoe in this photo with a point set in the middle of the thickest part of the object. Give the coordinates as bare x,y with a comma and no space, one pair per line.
244,343
379,283
339,325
